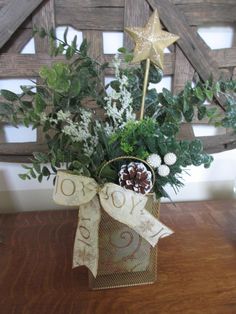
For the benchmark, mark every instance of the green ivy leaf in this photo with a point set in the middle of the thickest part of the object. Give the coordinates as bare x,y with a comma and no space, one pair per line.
37,167
155,74
199,93
40,104
128,57
33,175
45,171
65,34
84,47
122,50
169,129
201,112
74,43
42,32
195,147
209,94
69,52
189,114
8,95
40,177
6,109
168,96
22,176
75,87
108,173
77,165
41,157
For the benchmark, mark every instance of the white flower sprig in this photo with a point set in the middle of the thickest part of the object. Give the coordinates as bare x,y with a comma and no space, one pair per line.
119,104
79,132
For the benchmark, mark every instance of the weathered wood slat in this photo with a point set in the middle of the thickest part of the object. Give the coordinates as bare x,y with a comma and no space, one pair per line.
105,19
2,3
136,13
20,37
224,57
187,2
218,143
234,45
44,16
18,40
185,132
95,43
189,42
234,74
234,37
15,65
21,148
12,15
90,3
202,13
16,158
183,73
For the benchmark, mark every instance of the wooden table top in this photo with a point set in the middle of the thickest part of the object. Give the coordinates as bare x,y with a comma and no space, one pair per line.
196,265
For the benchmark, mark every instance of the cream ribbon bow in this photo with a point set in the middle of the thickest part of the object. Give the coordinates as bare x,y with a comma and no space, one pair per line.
126,206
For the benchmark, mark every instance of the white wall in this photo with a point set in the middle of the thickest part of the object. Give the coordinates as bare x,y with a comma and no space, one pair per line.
200,184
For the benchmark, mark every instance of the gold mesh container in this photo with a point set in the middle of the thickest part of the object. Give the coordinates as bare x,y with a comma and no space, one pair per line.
125,258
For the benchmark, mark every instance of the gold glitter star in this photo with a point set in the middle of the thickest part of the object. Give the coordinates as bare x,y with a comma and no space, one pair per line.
151,41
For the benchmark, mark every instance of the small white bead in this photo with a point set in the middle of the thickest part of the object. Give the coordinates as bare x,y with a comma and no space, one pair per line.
170,159
154,160
163,170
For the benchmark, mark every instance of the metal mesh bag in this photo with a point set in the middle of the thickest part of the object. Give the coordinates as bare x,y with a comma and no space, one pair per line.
125,258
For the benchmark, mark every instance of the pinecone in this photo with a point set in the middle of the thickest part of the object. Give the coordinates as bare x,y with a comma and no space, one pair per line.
135,177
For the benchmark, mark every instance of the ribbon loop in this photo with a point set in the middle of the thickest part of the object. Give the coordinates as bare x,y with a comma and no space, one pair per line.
73,190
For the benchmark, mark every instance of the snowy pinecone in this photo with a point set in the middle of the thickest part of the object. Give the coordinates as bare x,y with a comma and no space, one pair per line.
170,159
135,177
154,160
163,170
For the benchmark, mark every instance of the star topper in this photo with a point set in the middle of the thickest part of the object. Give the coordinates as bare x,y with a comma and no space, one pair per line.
151,41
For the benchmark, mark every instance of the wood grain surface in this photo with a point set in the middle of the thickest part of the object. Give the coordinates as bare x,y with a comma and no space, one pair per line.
196,266
13,15
93,17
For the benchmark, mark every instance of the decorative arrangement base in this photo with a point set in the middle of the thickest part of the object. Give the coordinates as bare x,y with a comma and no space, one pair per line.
125,259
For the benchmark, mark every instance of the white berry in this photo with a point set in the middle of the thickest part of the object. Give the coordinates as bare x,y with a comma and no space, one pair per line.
170,159
163,170
154,160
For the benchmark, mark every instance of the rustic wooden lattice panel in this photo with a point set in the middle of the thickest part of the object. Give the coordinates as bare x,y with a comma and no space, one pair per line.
93,17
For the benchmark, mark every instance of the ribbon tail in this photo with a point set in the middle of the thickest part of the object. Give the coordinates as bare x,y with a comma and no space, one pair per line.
86,250
151,229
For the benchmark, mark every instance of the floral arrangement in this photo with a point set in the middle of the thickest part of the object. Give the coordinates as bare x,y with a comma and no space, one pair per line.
82,142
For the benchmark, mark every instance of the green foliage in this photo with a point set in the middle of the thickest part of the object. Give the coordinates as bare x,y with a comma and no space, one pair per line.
67,87
229,120
134,139
8,95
